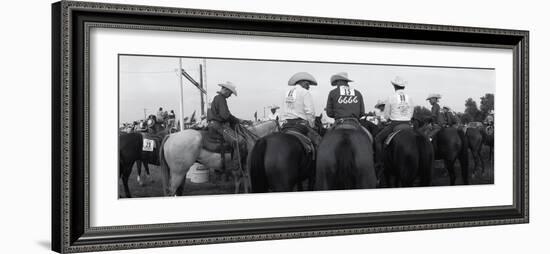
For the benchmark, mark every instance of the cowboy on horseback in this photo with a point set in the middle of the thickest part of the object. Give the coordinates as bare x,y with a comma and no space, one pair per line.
449,117
344,104
379,116
274,115
220,119
438,119
298,109
398,110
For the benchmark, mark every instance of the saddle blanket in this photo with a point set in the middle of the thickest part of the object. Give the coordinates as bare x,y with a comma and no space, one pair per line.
306,142
396,130
390,137
148,145
215,144
351,125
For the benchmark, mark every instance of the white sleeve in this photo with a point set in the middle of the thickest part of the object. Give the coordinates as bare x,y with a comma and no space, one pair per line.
411,105
309,108
387,108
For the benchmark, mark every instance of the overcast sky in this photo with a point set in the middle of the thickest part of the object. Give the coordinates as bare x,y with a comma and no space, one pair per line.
151,82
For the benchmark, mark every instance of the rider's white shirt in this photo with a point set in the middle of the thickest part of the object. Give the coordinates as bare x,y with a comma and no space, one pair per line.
272,116
399,107
298,104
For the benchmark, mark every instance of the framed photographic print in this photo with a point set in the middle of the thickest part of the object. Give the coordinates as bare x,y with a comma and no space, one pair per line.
225,126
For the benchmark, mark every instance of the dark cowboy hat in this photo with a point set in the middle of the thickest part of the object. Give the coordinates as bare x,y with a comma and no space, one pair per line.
340,76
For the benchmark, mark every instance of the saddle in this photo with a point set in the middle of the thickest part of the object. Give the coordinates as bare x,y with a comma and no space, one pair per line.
215,143
351,124
398,128
300,132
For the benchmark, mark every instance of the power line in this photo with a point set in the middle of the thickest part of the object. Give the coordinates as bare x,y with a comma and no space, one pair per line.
146,72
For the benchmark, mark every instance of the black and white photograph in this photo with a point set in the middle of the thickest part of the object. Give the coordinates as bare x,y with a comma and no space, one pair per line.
215,126
191,125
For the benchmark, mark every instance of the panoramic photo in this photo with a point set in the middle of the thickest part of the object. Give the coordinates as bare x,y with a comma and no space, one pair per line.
210,126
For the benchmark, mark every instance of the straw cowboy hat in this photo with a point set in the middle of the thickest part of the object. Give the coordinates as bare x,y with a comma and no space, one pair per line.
229,86
340,76
302,76
379,103
399,81
275,107
434,95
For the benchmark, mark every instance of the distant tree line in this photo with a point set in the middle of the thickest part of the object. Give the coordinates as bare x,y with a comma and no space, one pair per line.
471,113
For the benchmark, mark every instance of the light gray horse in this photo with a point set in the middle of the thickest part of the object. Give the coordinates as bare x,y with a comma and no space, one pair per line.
180,150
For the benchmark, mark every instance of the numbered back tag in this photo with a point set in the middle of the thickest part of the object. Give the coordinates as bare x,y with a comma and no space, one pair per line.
347,95
346,91
148,145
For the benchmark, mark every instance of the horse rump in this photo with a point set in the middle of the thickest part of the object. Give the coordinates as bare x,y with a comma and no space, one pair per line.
426,159
337,167
346,169
164,168
258,178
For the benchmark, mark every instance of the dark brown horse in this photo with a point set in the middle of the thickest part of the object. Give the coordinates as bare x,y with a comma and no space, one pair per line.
345,161
408,156
280,162
488,134
450,145
475,143
129,151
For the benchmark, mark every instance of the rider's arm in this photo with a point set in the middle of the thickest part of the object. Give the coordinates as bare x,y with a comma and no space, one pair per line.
435,113
309,108
361,105
330,106
224,113
387,109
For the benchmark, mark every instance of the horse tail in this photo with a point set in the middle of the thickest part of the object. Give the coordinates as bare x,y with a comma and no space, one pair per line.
425,159
346,169
258,178
164,168
463,157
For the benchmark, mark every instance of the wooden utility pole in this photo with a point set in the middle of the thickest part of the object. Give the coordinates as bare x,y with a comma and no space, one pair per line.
202,87
180,74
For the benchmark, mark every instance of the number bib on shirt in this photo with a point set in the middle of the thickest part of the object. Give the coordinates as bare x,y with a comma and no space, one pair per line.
347,96
290,98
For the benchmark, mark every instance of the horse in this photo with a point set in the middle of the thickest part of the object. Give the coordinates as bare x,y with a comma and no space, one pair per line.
155,130
345,161
488,134
408,156
450,145
280,162
475,143
129,151
179,151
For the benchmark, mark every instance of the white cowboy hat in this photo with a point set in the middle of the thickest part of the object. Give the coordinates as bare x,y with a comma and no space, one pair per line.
275,107
379,103
434,95
340,76
229,86
302,76
399,81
